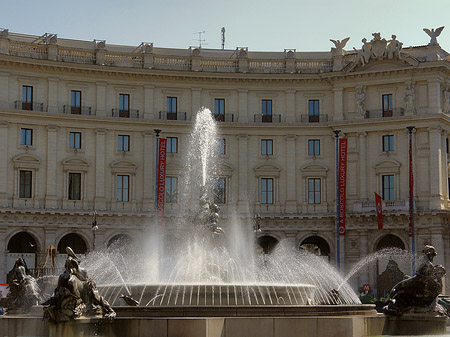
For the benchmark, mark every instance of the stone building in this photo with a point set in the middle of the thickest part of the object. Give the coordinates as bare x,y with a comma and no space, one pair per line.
76,135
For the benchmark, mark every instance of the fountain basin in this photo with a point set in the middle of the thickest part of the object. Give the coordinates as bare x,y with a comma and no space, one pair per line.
206,294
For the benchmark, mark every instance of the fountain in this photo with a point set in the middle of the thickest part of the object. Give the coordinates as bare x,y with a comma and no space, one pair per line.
200,279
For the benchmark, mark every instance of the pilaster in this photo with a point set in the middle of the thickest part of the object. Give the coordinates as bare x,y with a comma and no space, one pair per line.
291,198
338,104
242,174
148,101
3,270
4,164
149,172
50,196
100,169
363,252
363,166
4,90
243,106
436,199
52,94
434,96
290,106
101,99
196,100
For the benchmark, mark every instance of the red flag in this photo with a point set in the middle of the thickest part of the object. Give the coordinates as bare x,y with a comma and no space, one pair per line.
342,183
379,210
161,179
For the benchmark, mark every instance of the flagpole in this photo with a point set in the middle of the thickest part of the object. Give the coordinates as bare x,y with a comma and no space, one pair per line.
338,249
411,201
157,131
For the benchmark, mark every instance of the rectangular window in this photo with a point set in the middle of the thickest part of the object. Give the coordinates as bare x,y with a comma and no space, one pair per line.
387,105
123,143
27,97
266,110
124,105
266,190
313,190
222,146
447,149
171,189
25,180
266,147
388,187
26,137
123,188
313,110
172,144
172,108
313,147
388,143
219,109
75,102
74,186
220,186
75,140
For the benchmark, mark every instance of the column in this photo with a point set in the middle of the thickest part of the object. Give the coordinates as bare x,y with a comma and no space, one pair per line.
437,240
290,106
435,168
243,106
243,173
434,95
149,172
148,102
50,196
4,163
196,101
3,270
362,166
445,191
50,236
100,169
363,252
52,95
101,99
4,90
291,179
338,104
342,253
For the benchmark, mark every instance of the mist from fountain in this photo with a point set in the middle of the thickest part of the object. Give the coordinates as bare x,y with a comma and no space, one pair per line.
185,266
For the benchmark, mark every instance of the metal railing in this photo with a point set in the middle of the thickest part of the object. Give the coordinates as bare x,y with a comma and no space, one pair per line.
132,113
274,118
379,113
228,118
322,118
173,116
34,106
84,110
39,272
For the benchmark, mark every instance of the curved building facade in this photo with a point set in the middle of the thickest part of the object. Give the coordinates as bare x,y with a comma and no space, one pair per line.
77,121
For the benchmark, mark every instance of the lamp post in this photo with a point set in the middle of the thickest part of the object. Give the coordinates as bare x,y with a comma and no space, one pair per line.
338,249
157,131
411,201
94,226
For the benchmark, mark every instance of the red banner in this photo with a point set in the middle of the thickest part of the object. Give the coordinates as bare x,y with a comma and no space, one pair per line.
379,210
161,179
342,183
411,187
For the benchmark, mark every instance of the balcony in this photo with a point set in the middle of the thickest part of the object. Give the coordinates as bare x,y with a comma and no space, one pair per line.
322,118
379,113
387,205
173,116
33,106
228,118
274,118
131,113
71,110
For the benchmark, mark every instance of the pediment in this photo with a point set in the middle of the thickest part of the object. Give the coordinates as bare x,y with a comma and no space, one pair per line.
388,164
26,159
267,169
383,65
122,163
75,161
314,168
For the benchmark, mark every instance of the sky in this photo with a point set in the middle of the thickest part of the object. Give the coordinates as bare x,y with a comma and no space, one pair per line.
258,25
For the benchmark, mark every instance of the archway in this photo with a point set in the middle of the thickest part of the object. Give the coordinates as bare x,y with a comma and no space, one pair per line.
389,267
267,243
120,241
317,246
74,241
21,245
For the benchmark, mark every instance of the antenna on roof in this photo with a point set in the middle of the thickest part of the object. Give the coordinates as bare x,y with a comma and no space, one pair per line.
200,40
223,38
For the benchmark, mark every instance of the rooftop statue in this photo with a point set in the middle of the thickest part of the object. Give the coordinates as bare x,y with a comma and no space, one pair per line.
418,294
433,34
378,48
76,294
339,50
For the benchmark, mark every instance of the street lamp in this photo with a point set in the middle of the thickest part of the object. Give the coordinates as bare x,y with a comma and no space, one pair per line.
94,226
411,201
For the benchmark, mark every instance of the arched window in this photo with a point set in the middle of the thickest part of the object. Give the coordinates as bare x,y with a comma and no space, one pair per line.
22,243
120,240
74,241
317,246
390,241
267,243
